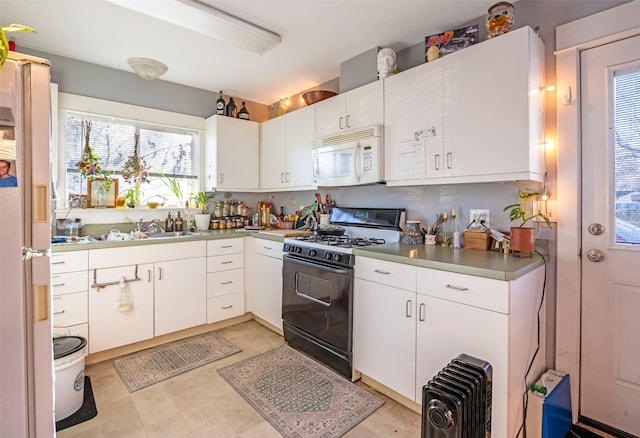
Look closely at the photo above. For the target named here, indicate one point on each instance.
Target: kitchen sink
(167, 234)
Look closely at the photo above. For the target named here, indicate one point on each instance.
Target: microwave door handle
(356, 164)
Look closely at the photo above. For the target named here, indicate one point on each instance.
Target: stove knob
(291, 248)
(327, 256)
(312, 252)
(298, 250)
(336, 257)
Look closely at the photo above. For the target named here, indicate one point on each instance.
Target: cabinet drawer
(225, 282)
(485, 293)
(70, 309)
(268, 247)
(225, 307)
(389, 273)
(69, 282)
(69, 261)
(225, 246)
(225, 262)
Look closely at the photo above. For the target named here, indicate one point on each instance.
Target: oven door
(317, 299)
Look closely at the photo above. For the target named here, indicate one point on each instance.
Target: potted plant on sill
(522, 238)
(203, 218)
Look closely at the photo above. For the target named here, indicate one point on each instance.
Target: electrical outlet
(476, 216)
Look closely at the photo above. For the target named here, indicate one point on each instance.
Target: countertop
(488, 264)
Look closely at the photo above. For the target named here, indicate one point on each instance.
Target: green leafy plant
(202, 201)
(4, 43)
(173, 185)
(132, 196)
(519, 210)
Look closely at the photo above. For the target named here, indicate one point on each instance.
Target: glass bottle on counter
(178, 223)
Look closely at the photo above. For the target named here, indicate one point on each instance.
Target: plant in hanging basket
(522, 238)
(135, 168)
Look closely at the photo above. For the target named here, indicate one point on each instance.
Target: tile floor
(200, 403)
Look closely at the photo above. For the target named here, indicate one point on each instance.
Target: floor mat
(298, 396)
(86, 412)
(146, 367)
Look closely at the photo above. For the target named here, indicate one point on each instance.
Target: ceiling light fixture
(146, 68)
(214, 23)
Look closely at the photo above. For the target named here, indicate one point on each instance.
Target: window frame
(128, 113)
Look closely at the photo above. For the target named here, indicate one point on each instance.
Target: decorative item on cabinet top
(449, 42)
(315, 96)
(500, 19)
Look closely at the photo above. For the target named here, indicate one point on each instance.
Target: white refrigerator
(26, 357)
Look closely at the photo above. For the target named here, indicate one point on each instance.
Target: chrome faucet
(149, 227)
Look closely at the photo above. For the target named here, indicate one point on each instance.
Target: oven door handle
(317, 265)
(314, 300)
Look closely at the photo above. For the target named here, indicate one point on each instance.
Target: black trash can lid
(66, 345)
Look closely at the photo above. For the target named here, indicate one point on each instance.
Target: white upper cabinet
(232, 154)
(475, 115)
(285, 151)
(356, 109)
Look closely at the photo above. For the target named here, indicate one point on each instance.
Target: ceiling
(317, 36)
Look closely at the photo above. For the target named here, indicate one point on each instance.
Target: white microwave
(349, 159)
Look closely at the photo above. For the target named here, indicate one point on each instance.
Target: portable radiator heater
(457, 401)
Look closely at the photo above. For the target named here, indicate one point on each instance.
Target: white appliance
(349, 159)
(26, 356)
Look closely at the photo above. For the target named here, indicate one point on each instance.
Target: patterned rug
(146, 367)
(298, 396)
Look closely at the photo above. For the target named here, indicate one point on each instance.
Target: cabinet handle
(382, 272)
(58, 313)
(226, 263)
(268, 248)
(408, 309)
(281, 177)
(226, 246)
(220, 177)
(288, 176)
(58, 284)
(58, 263)
(340, 122)
(421, 312)
(159, 273)
(450, 286)
(437, 161)
(348, 118)
(148, 275)
(226, 282)
(449, 156)
(226, 307)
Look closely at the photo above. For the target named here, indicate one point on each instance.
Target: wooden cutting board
(286, 233)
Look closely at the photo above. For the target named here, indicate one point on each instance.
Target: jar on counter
(226, 207)
(222, 224)
(231, 223)
(215, 224)
(217, 211)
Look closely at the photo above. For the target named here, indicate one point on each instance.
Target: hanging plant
(4, 43)
(135, 168)
(89, 164)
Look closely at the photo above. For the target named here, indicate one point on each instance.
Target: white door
(610, 380)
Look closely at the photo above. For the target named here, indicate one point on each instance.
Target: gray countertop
(489, 264)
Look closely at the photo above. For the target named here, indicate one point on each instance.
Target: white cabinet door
(110, 327)
(492, 107)
(232, 153)
(273, 150)
(384, 335)
(356, 109)
(446, 329)
(180, 295)
(266, 289)
(413, 135)
(300, 135)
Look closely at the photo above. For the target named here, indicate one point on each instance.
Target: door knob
(595, 255)
(596, 229)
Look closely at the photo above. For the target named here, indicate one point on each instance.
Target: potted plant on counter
(522, 238)
(203, 218)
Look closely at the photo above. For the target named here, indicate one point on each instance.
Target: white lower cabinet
(70, 296)
(264, 280)
(225, 279)
(112, 325)
(410, 322)
(180, 287)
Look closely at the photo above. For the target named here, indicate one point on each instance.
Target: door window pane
(627, 155)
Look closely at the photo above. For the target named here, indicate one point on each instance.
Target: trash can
(68, 359)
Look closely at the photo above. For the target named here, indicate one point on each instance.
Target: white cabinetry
(409, 322)
(177, 275)
(264, 280)
(359, 108)
(70, 297)
(285, 150)
(472, 116)
(112, 326)
(232, 154)
(225, 279)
